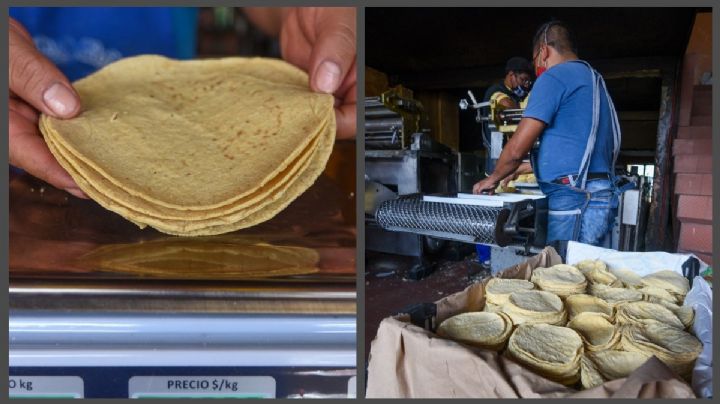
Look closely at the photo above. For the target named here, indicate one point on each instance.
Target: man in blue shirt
(572, 116)
(76, 41)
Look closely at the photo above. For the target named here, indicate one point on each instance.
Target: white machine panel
(630, 207)
(497, 200)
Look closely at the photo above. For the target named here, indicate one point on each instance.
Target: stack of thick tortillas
(615, 295)
(596, 272)
(597, 368)
(195, 147)
(563, 280)
(644, 313)
(655, 293)
(535, 306)
(623, 321)
(551, 351)
(597, 332)
(685, 314)
(481, 329)
(677, 348)
(627, 277)
(672, 282)
(498, 290)
(576, 304)
(587, 266)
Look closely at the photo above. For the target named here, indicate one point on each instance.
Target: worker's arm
(508, 103)
(529, 129)
(504, 100)
(524, 168)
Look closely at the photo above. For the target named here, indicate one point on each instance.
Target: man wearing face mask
(572, 115)
(509, 94)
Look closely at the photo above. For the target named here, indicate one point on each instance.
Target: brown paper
(408, 362)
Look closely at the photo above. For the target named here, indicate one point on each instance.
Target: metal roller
(384, 124)
(475, 224)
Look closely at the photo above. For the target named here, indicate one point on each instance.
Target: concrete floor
(387, 290)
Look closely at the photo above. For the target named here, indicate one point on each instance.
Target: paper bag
(408, 362)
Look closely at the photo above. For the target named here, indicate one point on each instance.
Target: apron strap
(598, 82)
(617, 135)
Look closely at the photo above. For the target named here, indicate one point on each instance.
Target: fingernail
(328, 77)
(77, 192)
(60, 99)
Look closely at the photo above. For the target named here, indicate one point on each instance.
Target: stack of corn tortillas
(587, 266)
(627, 277)
(612, 331)
(563, 280)
(498, 290)
(596, 272)
(195, 147)
(576, 304)
(551, 351)
(672, 282)
(654, 293)
(481, 329)
(645, 313)
(685, 314)
(597, 332)
(597, 368)
(614, 295)
(677, 348)
(535, 306)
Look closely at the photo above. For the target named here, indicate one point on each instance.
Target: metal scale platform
(100, 308)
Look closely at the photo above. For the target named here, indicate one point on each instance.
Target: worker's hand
(524, 168)
(36, 86)
(512, 177)
(321, 41)
(487, 185)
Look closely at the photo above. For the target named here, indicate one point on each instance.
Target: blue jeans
(580, 215)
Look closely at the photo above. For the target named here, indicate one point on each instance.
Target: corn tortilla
(195, 147)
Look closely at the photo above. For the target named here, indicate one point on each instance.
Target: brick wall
(692, 153)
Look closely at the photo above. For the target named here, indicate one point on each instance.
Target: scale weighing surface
(101, 308)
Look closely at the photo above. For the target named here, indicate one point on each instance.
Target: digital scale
(102, 309)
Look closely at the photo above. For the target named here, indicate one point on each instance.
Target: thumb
(36, 80)
(334, 51)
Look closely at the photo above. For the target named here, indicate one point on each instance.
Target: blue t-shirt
(562, 98)
(80, 40)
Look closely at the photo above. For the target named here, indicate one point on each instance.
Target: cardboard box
(407, 361)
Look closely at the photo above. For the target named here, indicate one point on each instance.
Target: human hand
(321, 41)
(512, 177)
(524, 168)
(487, 185)
(36, 86)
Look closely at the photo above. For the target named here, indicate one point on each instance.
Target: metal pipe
(385, 123)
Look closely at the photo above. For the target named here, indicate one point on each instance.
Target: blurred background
(226, 31)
